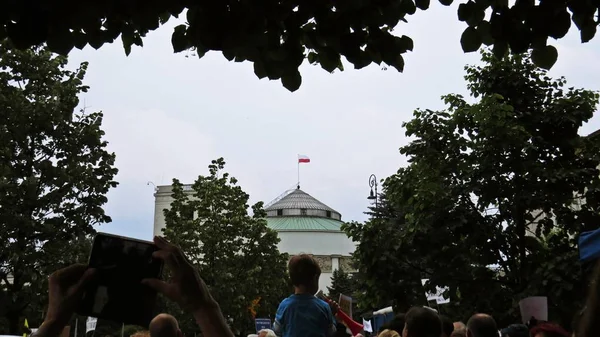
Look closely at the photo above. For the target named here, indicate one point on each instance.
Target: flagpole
(298, 163)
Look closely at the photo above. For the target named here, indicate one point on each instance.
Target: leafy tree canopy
(236, 253)
(276, 36)
(55, 172)
(497, 191)
(388, 271)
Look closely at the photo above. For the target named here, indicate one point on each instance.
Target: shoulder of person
(286, 301)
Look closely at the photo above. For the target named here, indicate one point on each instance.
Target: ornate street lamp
(373, 184)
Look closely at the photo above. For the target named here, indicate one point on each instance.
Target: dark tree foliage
(389, 273)
(55, 172)
(346, 284)
(277, 36)
(497, 191)
(235, 252)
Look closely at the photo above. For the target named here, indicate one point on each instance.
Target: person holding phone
(186, 288)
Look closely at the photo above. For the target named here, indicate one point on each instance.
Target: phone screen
(117, 293)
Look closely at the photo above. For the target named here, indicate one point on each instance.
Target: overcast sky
(168, 116)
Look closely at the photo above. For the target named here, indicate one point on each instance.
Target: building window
(328, 214)
(302, 211)
(279, 212)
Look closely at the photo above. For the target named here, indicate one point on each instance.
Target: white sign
(90, 324)
(367, 326)
(438, 296)
(535, 306)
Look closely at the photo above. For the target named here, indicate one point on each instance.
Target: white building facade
(304, 224)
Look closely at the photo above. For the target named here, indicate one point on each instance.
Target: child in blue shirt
(303, 314)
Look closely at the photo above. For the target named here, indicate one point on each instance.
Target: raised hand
(65, 290)
(185, 287)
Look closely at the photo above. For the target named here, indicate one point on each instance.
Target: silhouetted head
(422, 322)
(164, 325)
(482, 325)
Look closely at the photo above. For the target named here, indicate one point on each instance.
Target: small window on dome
(328, 214)
(302, 211)
(279, 212)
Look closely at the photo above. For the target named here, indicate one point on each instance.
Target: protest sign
(262, 323)
(535, 306)
(438, 296)
(90, 324)
(345, 303)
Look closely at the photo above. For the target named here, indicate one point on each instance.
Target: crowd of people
(300, 315)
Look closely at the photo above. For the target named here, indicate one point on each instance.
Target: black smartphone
(117, 293)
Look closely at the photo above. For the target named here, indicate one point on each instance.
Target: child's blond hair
(389, 333)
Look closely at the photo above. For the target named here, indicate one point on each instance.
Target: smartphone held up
(117, 292)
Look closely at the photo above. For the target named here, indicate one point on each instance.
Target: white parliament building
(304, 224)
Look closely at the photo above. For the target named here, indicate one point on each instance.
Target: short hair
(164, 325)
(515, 330)
(389, 333)
(423, 322)
(303, 270)
(482, 325)
(460, 326)
(396, 324)
(447, 325)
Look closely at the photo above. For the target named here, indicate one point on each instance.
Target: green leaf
(465, 11)
(292, 81)
(127, 39)
(164, 17)
(406, 43)
(398, 63)
(259, 70)
(95, 40)
(470, 40)
(588, 32)
(446, 2)
(422, 4)
(561, 24)
(500, 49)
(544, 57)
(408, 7)
(329, 59)
(61, 43)
(229, 54)
(313, 57)
(484, 30)
(179, 39)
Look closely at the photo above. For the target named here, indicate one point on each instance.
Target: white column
(335, 263)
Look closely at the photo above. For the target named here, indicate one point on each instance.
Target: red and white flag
(303, 159)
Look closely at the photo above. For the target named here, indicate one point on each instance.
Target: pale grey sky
(168, 116)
